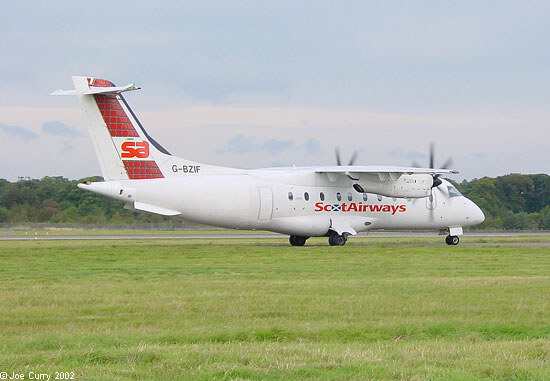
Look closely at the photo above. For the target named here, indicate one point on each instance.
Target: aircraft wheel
(452, 240)
(297, 240)
(337, 240)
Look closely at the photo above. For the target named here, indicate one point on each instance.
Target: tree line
(511, 202)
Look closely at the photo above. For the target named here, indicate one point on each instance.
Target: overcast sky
(269, 83)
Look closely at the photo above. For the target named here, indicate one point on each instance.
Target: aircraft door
(266, 204)
(431, 201)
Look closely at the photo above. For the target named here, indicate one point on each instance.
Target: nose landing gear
(452, 240)
(452, 235)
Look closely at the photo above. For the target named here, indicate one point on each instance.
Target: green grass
(233, 309)
(44, 232)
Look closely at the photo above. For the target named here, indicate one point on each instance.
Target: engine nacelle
(395, 185)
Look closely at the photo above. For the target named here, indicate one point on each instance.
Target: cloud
(246, 144)
(313, 146)
(239, 144)
(18, 132)
(57, 128)
(66, 146)
(274, 146)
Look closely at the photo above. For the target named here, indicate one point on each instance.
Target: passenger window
(365, 197)
(338, 196)
(306, 196)
(379, 197)
(350, 196)
(290, 196)
(322, 196)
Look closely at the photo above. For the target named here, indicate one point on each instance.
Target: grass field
(232, 309)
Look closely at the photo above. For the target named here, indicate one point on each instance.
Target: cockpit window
(453, 192)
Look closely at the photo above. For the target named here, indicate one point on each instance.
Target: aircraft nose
(477, 214)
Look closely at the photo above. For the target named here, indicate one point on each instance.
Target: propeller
(436, 177)
(339, 160)
(352, 160)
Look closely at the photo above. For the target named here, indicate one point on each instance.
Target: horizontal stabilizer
(99, 90)
(154, 209)
(64, 92)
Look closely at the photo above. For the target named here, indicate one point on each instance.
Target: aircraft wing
(345, 170)
(387, 181)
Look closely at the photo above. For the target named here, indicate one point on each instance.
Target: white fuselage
(291, 201)
(302, 202)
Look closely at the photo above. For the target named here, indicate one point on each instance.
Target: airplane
(319, 201)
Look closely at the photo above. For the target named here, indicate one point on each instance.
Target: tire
(297, 240)
(337, 240)
(340, 240)
(300, 241)
(452, 240)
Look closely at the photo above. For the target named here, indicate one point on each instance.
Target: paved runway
(230, 235)
(139, 236)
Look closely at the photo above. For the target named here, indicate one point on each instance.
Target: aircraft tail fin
(123, 148)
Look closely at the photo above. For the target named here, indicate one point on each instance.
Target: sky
(280, 83)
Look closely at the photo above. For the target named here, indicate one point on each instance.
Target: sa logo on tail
(135, 149)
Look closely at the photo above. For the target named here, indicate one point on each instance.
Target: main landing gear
(452, 240)
(335, 239)
(296, 240)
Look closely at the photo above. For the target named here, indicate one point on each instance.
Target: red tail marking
(96, 82)
(142, 169)
(114, 116)
(119, 125)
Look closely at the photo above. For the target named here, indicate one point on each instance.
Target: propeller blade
(353, 158)
(337, 152)
(431, 155)
(448, 163)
